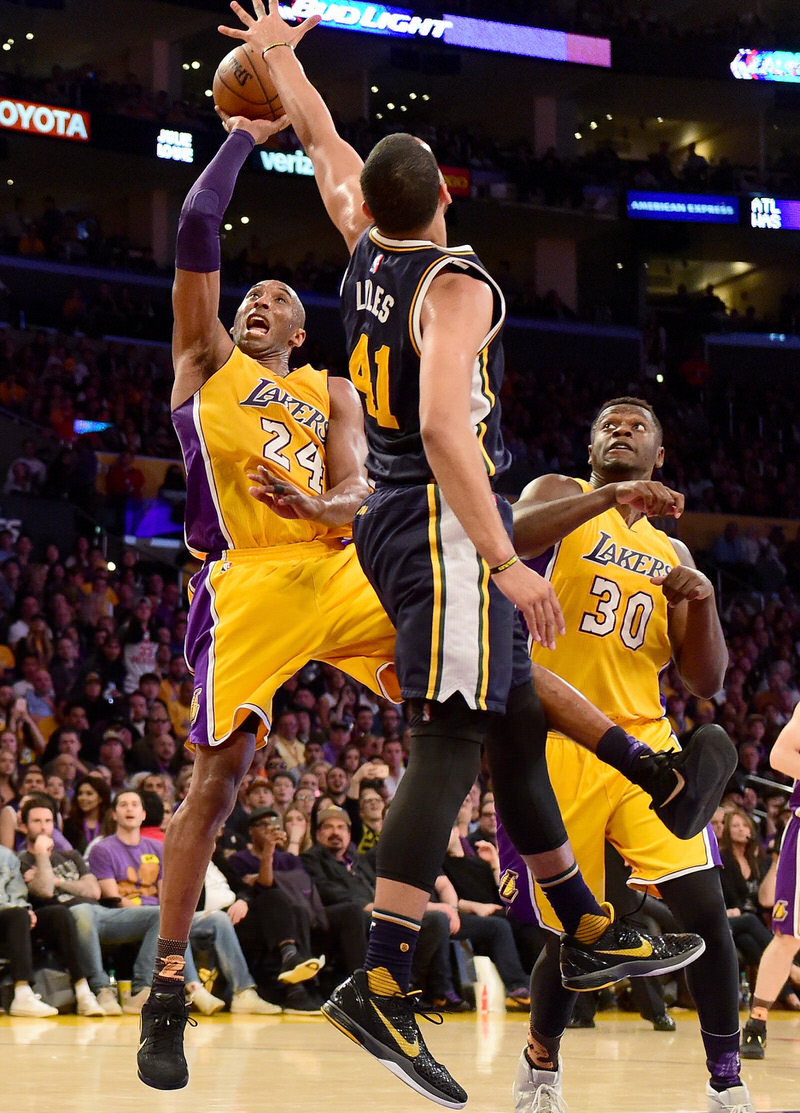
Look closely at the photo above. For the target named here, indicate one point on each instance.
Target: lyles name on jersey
(374, 299)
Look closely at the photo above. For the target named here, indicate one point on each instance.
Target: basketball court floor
(303, 1065)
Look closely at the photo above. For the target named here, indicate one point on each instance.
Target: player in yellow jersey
(632, 598)
(278, 585)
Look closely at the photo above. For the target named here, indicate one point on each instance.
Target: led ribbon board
(455, 30)
(44, 119)
(774, 213)
(766, 65)
(695, 208)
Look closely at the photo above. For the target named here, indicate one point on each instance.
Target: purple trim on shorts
(203, 531)
(198, 648)
(785, 911)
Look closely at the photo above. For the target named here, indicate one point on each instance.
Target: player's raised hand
(273, 487)
(268, 27)
(261, 130)
(536, 600)
(649, 497)
(683, 584)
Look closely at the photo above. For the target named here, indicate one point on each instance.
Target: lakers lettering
(607, 552)
(374, 299)
(268, 393)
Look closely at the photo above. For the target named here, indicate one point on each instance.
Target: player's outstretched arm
(785, 754)
(337, 165)
(456, 319)
(200, 343)
(554, 505)
(346, 451)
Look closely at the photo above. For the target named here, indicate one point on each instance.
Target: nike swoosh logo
(409, 1049)
(678, 787)
(644, 950)
(141, 1045)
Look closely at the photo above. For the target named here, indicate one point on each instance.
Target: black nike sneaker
(687, 785)
(622, 951)
(160, 1059)
(754, 1040)
(387, 1028)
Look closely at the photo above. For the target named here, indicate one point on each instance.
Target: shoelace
(161, 1034)
(553, 1101)
(427, 1012)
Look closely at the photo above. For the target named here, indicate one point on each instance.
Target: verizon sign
(44, 119)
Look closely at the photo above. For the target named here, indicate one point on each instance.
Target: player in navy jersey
(423, 325)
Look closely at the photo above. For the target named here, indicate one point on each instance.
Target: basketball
(242, 87)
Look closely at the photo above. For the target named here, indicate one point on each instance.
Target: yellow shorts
(257, 616)
(598, 803)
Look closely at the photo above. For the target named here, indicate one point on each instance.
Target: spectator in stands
(281, 916)
(29, 737)
(694, 170)
(285, 741)
(90, 803)
(180, 710)
(19, 480)
(8, 775)
(338, 737)
(65, 667)
(16, 921)
(128, 867)
(339, 874)
(297, 827)
(469, 884)
(54, 878)
(139, 636)
(371, 807)
(745, 868)
(283, 789)
(486, 831)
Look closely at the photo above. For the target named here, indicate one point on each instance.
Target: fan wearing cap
(275, 921)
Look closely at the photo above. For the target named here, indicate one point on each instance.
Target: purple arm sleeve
(197, 243)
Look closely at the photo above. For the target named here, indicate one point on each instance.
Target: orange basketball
(242, 87)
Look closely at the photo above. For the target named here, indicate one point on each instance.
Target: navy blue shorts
(456, 632)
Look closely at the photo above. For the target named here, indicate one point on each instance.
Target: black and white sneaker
(160, 1059)
(622, 951)
(387, 1028)
(687, 785)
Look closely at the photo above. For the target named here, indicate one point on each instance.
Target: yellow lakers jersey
(241, 414)
(617, 640)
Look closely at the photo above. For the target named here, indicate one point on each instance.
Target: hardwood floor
(300, 1065)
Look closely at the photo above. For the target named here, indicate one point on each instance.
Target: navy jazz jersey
(382, 294)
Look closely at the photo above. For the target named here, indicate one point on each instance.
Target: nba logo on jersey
(376, 262)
